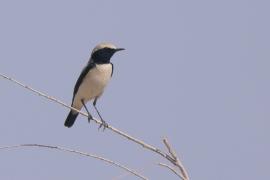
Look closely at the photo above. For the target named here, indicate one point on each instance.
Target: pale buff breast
(93, 84)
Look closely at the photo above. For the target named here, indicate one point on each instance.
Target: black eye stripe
(106, 49)
(103, 55)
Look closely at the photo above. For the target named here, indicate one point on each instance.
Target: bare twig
(80, 153)
(170, 157)
(172, 169)
(177, 161)
(126, 174)
(86, 115)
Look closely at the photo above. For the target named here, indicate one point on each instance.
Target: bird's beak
(119, 49)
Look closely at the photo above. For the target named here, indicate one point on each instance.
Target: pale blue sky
(194, 71)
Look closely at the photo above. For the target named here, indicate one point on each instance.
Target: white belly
(93, 84)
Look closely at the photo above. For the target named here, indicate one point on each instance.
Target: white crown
(103, 45)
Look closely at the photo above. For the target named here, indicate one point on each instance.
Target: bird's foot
(104, 124)
(90, 117)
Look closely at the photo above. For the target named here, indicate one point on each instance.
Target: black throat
(102, 56)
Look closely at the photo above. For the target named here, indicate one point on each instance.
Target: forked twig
(172, 169)
(170, 157)
(176, 159)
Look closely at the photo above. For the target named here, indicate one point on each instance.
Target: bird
(92, 81)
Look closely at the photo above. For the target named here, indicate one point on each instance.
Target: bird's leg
(89, 115)
(103, 123)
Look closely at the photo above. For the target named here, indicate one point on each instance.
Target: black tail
(71, 119)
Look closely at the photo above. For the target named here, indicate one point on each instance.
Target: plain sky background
(194, 71)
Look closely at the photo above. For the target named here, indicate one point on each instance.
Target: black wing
(85, 70)
(112, 69)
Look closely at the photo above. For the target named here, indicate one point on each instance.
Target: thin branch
(169, 156)
(173, 170)
(126, 174)
(80, 153)
(147, 146)
(177, 161)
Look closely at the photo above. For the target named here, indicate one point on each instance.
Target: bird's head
(103, 52)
